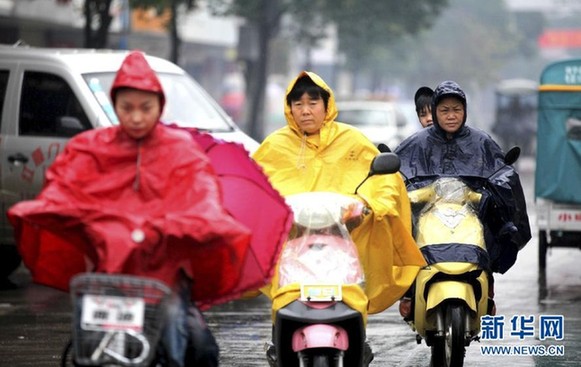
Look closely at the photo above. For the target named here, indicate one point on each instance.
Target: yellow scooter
(451, 293)
(450, 296)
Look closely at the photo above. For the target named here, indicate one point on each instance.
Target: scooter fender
(320, 336)
(445, 290)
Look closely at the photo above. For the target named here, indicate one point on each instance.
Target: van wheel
(9, 261)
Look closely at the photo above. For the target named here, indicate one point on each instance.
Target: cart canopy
(558, 166)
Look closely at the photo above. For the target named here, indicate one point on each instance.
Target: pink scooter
(321, 262)
(318, 302)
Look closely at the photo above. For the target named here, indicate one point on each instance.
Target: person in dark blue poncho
(451, 148)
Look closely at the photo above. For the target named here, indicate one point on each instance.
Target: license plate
(112, 313)
(321, 292)
(565, 219)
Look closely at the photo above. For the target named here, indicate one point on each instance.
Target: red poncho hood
(136, 73)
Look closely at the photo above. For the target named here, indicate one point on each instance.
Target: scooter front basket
(117, 319)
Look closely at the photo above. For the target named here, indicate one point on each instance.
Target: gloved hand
(508, 250)
(506, 232)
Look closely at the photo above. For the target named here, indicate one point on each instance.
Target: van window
(187, 104)
(3, 87)
(48, 107)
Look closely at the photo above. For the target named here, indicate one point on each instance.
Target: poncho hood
(448, 89)
(136, 73)
(331, 108)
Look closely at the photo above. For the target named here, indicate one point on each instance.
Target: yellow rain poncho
(337, 160)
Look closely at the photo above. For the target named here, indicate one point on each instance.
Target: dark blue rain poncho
(472, 155)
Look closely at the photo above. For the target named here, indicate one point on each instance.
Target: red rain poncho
(106, 184)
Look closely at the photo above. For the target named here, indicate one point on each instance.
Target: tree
(362, 23)
(97, 22)
(263, 20)
(470, 43)
(369, 30)
(468, 54)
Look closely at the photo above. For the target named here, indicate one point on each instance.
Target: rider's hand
(354, 222)
(354, 215)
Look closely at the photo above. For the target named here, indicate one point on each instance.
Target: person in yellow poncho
(316, 153)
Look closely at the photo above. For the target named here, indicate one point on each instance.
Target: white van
(48, 95)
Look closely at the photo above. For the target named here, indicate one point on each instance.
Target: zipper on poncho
(302, 159)
(136, 183)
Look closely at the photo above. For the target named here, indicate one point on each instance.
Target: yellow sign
(150, 20)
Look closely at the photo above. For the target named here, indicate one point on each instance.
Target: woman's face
(309, 113)
(450, 114)
(138, 111)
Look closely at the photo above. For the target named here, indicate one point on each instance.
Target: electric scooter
(320, 272)
(452, 293)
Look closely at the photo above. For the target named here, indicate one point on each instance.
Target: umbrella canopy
(249, 198)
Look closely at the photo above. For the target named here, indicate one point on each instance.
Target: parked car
(408, 108)
(381, 121)
(49, 95)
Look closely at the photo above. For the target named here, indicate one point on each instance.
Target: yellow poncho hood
(337, 160)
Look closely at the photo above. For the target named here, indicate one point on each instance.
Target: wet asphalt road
(35, 320)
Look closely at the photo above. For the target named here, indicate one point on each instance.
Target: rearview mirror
(383, 148)
(512, 155)
(384, 163)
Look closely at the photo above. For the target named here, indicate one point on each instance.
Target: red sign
(560, 38)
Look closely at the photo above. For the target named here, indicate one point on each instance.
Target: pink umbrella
(251, 199)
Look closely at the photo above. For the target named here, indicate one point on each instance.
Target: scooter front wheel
(450, 351)
(320, 361)
(317, 358)
(67, 355)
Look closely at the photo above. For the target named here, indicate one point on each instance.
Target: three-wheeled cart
(558, 159)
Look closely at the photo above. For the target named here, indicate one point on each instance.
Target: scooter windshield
(320, 249)
(448, 214)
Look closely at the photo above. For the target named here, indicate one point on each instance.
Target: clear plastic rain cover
(320, 249)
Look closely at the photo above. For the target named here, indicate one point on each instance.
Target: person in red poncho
(140, 198)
